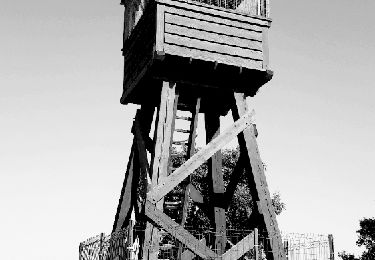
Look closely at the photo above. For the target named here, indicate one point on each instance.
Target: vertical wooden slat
(215, 175)
(331, 247)
(256, 244)
(159, 42)
(160, 159)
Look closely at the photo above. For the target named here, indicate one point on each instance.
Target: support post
(257, 179)
(331, 247)
(160, 160)
(215, 176)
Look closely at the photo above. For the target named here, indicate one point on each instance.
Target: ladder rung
(180, 142)
(182, 131)
(184, 118)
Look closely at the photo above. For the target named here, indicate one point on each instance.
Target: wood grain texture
(201, 156)
(125, 202)
(216, 181)
(216, 11)
(213, 18)
(189, 255)
(239, 249)
(247, 142)
(160, 158)
(215, 26)
(229, 40)
(177, 231)
(209, 56)
(212, 47)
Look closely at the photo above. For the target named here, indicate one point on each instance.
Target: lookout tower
(201, 57)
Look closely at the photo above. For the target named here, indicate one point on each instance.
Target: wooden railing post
(331, 248)
(256, 244)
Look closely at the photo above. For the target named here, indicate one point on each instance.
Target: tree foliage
(241, 206)
(366, 238)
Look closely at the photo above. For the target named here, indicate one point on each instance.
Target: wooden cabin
(199, 45)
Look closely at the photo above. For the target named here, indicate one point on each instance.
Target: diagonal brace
(200, 157)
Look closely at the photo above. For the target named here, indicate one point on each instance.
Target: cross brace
(157, 181)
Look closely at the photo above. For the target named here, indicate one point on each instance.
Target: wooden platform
(196, 45)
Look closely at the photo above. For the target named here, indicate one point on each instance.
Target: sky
(65, 138)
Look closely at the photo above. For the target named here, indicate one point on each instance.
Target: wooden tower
(206, 57)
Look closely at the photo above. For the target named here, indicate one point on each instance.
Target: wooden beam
(125, 202)
(178, 232)
(160, 159)
(216, 181)
(247, 142)
(200, 157)
(239, 249)
(189, 255)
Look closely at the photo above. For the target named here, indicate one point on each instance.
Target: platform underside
(212, 81)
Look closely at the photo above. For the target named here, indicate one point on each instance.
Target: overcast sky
(65, 138)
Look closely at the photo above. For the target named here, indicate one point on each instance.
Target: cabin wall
(138, 48)
(210, 33)
(134, 10)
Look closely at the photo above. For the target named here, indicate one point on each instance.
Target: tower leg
(215, 176)
(258, 183)
(160, 160)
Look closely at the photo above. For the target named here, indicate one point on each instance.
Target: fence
(117, 246)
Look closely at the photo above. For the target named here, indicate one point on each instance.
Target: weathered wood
(256, 244)
(126, 198)
(159, 42)
(265, 49)
(239, 249)
(190, 152)
(213, 37)
(216, 181)
(247, 142)
(189, 255)
(160, 159)
(212, 47)
(217, 11)
(213, 24)
(178, 232)
(331, 247)
(197, 159)
(213, 57)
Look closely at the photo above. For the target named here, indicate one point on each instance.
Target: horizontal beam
(170, 182)
(177, 231)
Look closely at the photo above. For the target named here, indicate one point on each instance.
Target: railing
(119, 245)
(251, 7)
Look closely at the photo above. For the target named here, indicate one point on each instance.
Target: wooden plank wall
(138, 48)
(213, 34)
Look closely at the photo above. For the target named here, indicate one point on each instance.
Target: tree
(367, 238)
(241, 205)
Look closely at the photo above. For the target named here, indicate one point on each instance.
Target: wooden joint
(200, 157)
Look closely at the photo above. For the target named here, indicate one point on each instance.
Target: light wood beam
(200, 157)
(160, 159)
(216, 181)
(247, 142)
(239, 249)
